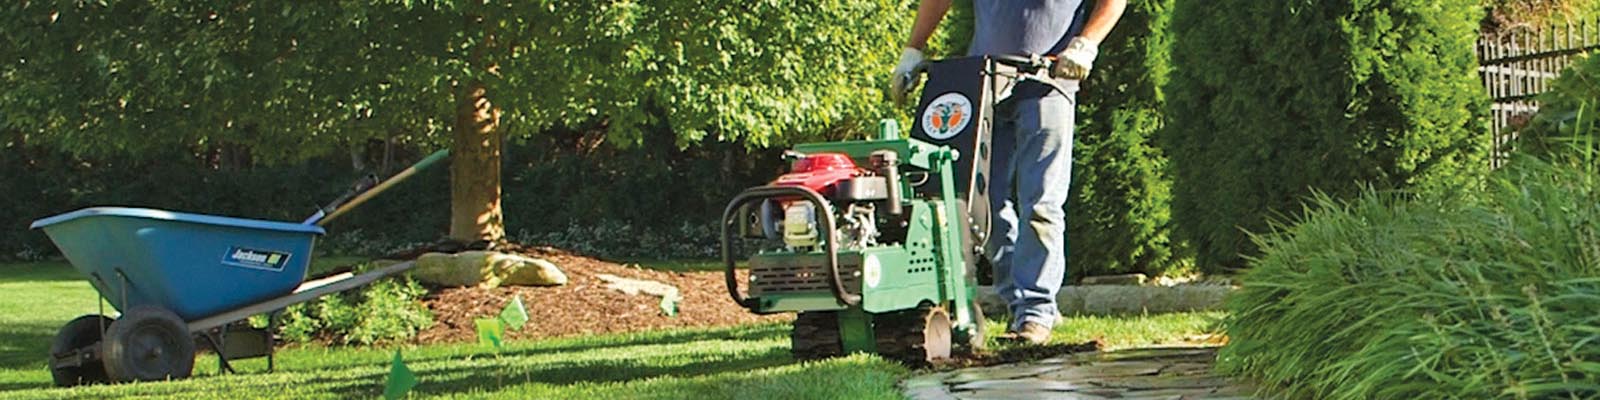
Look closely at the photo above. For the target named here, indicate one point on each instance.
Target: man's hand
(904, 77)
(1076, 61)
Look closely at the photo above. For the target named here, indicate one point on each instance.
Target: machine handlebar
(824, 217)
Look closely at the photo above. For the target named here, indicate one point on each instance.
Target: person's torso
(1025, 26)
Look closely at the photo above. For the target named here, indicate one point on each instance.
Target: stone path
(1145, 373)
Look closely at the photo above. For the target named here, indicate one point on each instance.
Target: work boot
(1030, 333)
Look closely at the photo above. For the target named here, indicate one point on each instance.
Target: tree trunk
(475, 168)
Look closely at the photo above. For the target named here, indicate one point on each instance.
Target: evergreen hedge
(1119, 217)
(1270, 100)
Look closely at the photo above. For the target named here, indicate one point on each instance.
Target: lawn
(733, 362)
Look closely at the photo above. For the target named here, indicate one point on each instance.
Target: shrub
(1458, 294)
(387, 310)
(1271, 100)
(1119, 215)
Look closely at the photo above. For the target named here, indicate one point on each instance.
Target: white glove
(1076, 61)
(903, 79)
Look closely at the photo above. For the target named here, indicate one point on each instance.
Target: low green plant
(385, 311)
(1467, 293)
(1566, 125)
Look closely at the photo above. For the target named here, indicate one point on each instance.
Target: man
(1032, 162)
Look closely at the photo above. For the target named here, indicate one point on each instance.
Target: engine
(855, 193)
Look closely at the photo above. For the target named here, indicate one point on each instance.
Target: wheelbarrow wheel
(78, 334)
(147, 344)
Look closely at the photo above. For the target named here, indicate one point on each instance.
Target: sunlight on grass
(733, 362)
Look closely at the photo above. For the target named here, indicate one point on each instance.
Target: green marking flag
(490, 331)
(669, 305)
(400, 379)
(514, 316)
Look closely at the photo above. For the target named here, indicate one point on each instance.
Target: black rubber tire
(76, 334)
(148, 344)
(816, 336)
(915, 337)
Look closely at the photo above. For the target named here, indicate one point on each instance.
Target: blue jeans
(1030, 172)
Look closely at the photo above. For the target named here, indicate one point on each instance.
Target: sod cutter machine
(880, 239)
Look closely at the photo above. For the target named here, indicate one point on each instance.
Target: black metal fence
(1518, 65)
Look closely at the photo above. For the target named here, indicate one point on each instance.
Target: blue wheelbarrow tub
(195, 265)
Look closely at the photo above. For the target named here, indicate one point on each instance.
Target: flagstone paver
(1176, 373)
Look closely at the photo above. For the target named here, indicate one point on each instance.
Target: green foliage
(1508, 13)
(385, 311)
(296, 79)
(1271, 100)
(1119, 218)
(1460, 294)
(1568, 122)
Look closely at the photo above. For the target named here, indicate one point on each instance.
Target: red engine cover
(819, 172)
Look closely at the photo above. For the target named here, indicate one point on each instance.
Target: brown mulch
(1009, 354)
(584, 305)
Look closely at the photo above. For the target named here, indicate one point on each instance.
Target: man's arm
(930, 12)
(1105, 15)
(1076, 61)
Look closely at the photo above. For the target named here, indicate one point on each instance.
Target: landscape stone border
(1163, 372)
(1123, 299)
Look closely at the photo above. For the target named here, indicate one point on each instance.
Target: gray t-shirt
(1025, 26)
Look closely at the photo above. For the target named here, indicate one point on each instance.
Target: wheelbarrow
(183, 281)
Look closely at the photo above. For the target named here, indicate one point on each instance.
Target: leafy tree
(291, 80)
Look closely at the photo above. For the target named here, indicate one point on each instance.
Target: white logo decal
(873, 271)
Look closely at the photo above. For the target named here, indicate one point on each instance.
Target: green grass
(1133, 331)
(736, 362)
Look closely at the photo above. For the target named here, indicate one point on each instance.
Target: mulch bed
(584, 305)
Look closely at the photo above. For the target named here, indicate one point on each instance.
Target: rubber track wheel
(76, 334)
(915, 337)
(148, 344)
(816, 336)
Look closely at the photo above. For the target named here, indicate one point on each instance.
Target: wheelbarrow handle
(321, 218)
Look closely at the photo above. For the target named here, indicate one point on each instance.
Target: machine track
(816, 336)
(916, 336)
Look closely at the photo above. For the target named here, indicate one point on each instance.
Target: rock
(534, 272)
(637, 286)
(1107, 369)
(486, 269)
(1026, 384)
(999, 373)
(441, 269)
(1124, 279)
(1122, 299)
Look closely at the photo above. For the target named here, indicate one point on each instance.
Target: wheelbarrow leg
(271, 337)
(218, 343)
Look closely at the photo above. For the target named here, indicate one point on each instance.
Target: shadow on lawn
(746, 333)
(495, 374)
(23, 345)
(51, 271)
